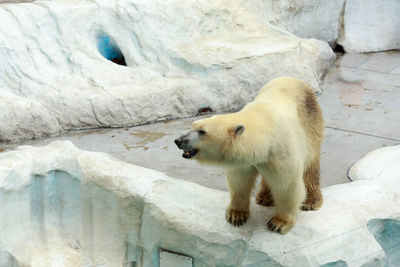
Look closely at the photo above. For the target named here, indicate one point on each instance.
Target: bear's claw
(311, 205)
(236, 217)
(279, 226)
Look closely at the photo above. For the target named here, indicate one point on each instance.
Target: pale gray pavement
(361, 105)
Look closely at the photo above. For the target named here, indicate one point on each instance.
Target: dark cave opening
(109, 49)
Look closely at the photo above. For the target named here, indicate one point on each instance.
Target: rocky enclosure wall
(59, 66)
(68, 207)
(85, 64)
(360, 26)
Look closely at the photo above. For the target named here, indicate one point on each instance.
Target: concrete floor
(361, 105)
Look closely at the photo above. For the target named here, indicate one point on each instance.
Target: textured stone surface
(61, 205)
(370, 25)
(181, 56)
(360, 26)
(380, 164)
(318, 19)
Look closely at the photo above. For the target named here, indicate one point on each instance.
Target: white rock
(61, 205)
(318, 19)
(181, 56)
(360, 26)
(371, 25)
(379, 164)
(24, 117)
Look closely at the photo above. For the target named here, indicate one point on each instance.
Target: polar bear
(279, 136)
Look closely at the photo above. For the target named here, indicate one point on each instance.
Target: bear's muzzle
(183, 143)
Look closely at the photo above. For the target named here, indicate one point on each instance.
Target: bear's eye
(201, 132)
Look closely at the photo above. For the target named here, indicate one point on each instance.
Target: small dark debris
(204, 110)
(167, 121)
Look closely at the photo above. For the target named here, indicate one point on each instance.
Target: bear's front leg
(241, 182)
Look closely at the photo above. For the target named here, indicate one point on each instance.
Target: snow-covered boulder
(370, 25)
(318, 19)
(68, 207)
(360, 26)
(380, 164)
(180, 56)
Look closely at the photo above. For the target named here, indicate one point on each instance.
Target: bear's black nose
(178, 143)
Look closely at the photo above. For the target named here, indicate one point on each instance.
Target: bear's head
(212, 140)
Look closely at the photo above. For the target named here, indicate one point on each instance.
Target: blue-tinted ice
(339, 263)
(387, 233)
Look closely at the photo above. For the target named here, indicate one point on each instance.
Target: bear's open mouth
(187, 154)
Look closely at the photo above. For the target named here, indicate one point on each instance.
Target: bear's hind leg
(241, 182)
(264, 195)
(311, 178)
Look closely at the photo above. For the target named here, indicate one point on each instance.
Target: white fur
(273, 144)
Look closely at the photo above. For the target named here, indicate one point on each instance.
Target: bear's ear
(238, 129)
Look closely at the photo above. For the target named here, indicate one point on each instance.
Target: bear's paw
(236, 217)
(311, 204)
(279, 226)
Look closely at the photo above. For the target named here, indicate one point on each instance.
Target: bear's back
(294, 105)
(283, 87)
